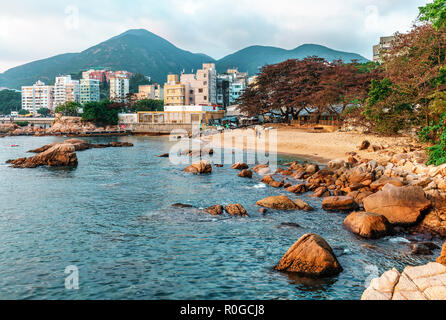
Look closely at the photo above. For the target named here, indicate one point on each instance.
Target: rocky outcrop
(299, 188)
(283, 203)
(245, 173)
(215, 210)
(201, 167)
(426, 282)
(81, 145)
(310, 256)
(236, 210)
(368, 225)
(339, 203)
(60, 155)
(400, 205)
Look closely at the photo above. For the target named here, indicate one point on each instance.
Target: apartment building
(37, 96)
(238, 84)
(202, 85)
(66, 90)
(150, 91)
(89, 91)
(379, 50)
(119, 88)
(104, 74)
(175, 92)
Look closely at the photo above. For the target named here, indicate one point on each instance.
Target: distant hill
(142, 51)
(251, 59)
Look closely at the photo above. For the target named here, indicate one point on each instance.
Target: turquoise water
(112, 217)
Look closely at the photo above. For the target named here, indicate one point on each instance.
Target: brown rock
(368, 225)
(60, 155)
(321, 192)
(215, 210)
(400, 205)
(381, 182)
(236, 210)
(201, 167)
(302, 205)
(164, 155)
(240, 166)
(311, 168)
(299, 188)
(339, 203)
(364, 145)
(245, 173)
(442, 258)
(310, 256)
(278, 202)
(276, 184)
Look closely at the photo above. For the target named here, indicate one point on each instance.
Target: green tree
(10, 100)
(69, 109)
(44, 111)
(138, 79)
(434, 13)
(148, 105)
(23, 112)
(104, 112)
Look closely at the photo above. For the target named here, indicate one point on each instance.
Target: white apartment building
(37, 96)
(202, 85)
(237, 85)
(89, 91)
(119, 88)
(66, 90)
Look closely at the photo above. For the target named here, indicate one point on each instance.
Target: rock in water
(245, 173)
(283, 203)
(59, 155)
(236, 210)
(299, 188)
(201, 167)
(215, 210)
(368, 225)
(400, 205)
(240, 166)
(310, 256)
(339, 203)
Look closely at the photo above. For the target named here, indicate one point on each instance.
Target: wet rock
(215, 210)
(276, 184)
(259, 167)
(164, 155)
(236, 210)
(339, 203)
(182, 205)
(310, 256)
(240, 166)
(302, 205)
(279, 203)
(201, 167)
(245, 173)
(59, 155)
(218, 165)
(289, 224)
(400, 205)
(368, 225)
(420, 249)
(263, 211)
(299, 188)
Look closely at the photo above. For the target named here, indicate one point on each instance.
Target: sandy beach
(319, 146)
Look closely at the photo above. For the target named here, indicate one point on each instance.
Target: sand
(319, 146)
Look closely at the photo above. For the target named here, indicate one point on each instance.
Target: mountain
(142, 51)
(251, 59)
(134, 50)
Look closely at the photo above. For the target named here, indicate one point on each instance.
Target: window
(205, 98)
(200, 90)
(205, 83)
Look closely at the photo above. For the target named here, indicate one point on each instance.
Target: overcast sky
(32, 30)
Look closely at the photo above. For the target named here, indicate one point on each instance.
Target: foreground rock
(310, 256)
(442, 258)
(283, 203)
(215, 210)
(339, 203)
(240, 166)
(426, 282)
(245, 173)
(368, 225)
(201, 167)
(60, 155)
(400, 205)
(236, 210)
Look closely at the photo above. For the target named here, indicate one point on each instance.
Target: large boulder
(368, 225)
(201, 167)
(245, 173)
(240, 166)
(400, 205)
(59, 155)
(215, 210)
(381, 182)
(339, 203)
(427, 282)
(236, 210)
(282, 203)
(310, 256)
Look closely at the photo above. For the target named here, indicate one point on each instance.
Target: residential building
(202, 85)
(175, 92)
(104, 74)
(150, 91)
(37, 96)
(89, 91)
(119, 88)
(379, 50)
(66, 90)
(223, 82)
(238, 84)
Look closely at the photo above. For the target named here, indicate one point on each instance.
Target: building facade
(66, 90)
(150, 91)
(119, 88)
(202, 85)
(175, 92)
(37, 96)
(379, 50)
(89, 91)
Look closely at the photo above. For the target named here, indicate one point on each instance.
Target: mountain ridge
(139, 50)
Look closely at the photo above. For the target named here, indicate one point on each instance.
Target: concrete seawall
(157, 128)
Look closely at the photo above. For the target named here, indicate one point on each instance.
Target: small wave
(399, 240)
(110, 185)
(258, 186)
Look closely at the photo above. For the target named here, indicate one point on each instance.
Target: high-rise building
(89, 91)
(66, 90)
(223, 82)
(202, 85)
(238, 84)
(37, 96)
(119, 88)
(385, 44)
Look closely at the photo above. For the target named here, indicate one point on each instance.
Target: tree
(147, 105)
(44, 111)
(23, 112)
(10, 100)
(69, 109)
(104, 112)
(138, 79)
(434, 13)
